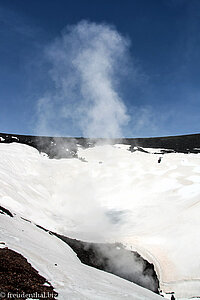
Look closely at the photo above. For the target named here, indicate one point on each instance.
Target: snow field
(115, 196)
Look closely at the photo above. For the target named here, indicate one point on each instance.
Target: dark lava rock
(5, 211)
(66, 147)
(17, 276)
(115, 259)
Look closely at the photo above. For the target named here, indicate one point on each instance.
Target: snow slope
(59, 265)
(114, 195)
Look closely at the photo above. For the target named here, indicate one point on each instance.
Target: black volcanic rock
(105, 257)
(66, 147)
(5, 211)
(17, 276)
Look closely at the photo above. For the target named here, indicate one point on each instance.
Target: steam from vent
(128, 265)
(115, 259)
(86, 64)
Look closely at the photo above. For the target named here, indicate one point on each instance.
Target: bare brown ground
(19, 280)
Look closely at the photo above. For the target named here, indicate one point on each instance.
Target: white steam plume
(86, 63)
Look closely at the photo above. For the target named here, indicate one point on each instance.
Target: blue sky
(158, 83)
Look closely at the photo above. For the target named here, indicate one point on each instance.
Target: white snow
(154, 150)
(128, 197)
(16, 138)
(60, 266)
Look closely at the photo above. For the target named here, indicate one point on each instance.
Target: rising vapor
(86, 63)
